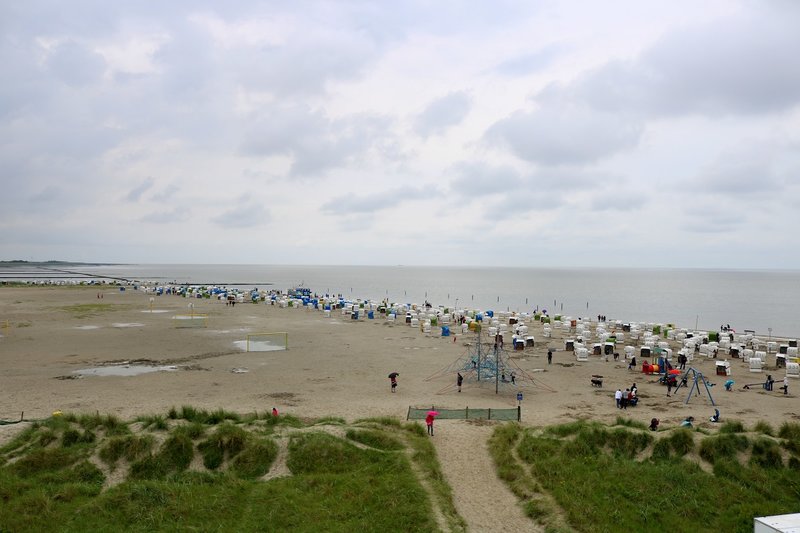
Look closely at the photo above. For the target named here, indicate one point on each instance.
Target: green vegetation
(130, 447)
(601, 480)
(157, 422)
(723, 446)
(732, 426)
(764, 427)
(255, 459)
(790, 431)
(226, 442)
(375, 439)
(192, 414)
(390, 481)
(628, 422)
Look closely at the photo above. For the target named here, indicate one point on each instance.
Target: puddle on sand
(123, 370)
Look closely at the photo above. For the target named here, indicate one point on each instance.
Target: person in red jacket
(429, 422)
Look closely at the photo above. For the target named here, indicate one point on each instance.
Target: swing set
(697, 379)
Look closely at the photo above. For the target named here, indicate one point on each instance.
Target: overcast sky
(619, 133)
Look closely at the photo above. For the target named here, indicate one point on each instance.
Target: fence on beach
(416, 413)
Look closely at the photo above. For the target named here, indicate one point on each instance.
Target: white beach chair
(581, 354)
(772, 347)
(629, 351)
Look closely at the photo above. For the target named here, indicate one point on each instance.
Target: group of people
(629, 397)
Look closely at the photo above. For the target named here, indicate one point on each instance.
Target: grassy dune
(590, 477)
(193, 469)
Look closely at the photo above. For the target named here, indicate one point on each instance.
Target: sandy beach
(334, 367)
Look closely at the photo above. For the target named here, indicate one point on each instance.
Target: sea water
(757, 300)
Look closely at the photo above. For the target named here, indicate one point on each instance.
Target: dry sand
(334, 366)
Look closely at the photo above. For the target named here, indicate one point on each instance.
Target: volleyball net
(415, 413)
(190, 321)
(268, 342)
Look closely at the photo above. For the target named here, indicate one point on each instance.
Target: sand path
(480, 497)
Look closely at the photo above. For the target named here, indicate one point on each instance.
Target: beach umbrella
(433, 413)
(394, 375)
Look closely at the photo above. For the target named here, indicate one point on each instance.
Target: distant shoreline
(46, 264)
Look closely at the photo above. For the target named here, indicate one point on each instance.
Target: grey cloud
(29, 89)
(357, 222)
(743, 173)
(315, 143)
(712, 219)
(178, 214)
(244, 216)
(303, 68)
(730, 65)
(530, 63)
(476, 179)
(373, 202)
(521, 203)
(165, 195)
(442, 114)
(76, 65)
(617, 200)
(564, 135)
(564, 180)
(48, 194)
(136, 193)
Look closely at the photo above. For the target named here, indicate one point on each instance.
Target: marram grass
(49, 479)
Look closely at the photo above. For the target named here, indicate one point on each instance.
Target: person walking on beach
(549, 356)
(393, 380)
(669, 386)
(768, 384)
(632, 363)
(618, 398)
(459, 381)
(785, 385)
(429, 422)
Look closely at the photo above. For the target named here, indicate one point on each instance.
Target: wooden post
(466, 417)
(490, 414)
(408, 415)
(519, 413)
